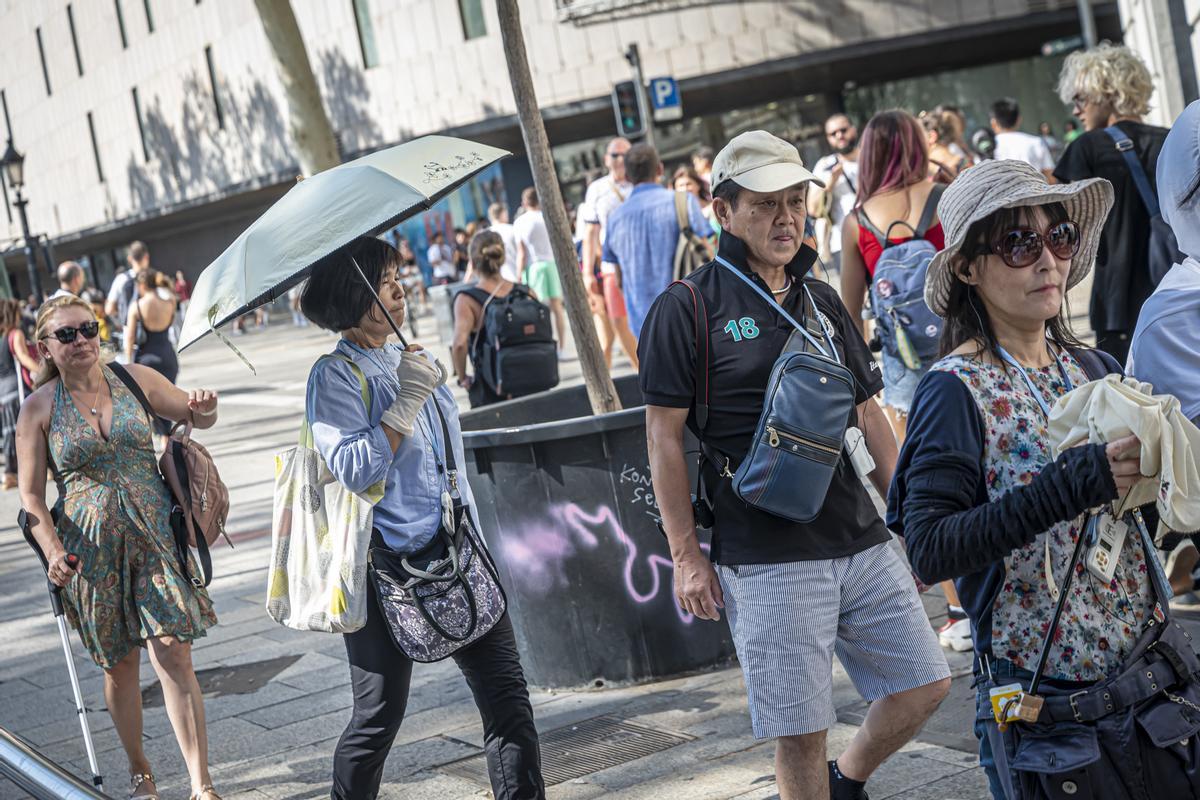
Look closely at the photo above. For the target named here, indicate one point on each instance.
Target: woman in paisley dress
(978, 494)
(127, 592)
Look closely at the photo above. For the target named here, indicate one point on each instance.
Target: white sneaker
(956, 635)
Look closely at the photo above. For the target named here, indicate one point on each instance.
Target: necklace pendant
(95, 412)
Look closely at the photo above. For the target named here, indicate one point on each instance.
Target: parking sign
(665, 100)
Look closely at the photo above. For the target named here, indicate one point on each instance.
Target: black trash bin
(568, 511)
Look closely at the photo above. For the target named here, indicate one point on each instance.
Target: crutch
(57, 605)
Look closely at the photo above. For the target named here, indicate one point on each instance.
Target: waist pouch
(798, 441)
(1132, 736)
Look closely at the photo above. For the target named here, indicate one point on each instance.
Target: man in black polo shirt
(794, 593)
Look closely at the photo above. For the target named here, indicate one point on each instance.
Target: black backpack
(1163, 248)
(514, 351)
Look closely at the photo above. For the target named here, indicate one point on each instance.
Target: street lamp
(14, 170)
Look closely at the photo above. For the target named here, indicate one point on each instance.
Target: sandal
(135, 783)
(206, 793)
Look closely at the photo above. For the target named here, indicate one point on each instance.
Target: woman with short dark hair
(397, 438)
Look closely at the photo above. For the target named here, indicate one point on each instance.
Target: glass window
(95, 147)
(37, 32)
(366, 33)
(471, 12)
(121, 25)
(74, 38)
(212, 82)
(137, 113)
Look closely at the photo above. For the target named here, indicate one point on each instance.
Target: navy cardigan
(939, 503)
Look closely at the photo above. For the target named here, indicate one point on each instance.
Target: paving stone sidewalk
(278, 699)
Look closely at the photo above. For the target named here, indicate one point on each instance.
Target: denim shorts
(899, 382)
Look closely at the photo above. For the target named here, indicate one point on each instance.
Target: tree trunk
(308, 123)
(600, 389)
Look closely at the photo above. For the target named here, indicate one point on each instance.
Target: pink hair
(893, 154)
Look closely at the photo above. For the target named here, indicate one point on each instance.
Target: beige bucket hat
(992, 185)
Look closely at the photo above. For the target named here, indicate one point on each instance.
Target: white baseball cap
(760, 162)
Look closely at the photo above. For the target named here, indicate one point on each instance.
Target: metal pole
(635, 60)
(35, 283)
(37, 775)
(80, 708)
(596, 377)
(1087, 23)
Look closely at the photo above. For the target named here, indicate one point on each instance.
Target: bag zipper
(774, 435)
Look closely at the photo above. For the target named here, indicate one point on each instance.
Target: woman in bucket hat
(977, 494)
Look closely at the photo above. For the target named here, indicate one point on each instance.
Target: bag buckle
(1074, 707)
(1124, 144)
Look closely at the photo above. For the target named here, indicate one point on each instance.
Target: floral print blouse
(1100, 623)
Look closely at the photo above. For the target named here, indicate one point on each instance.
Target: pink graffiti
(542, 550)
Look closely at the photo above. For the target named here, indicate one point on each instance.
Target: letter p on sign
(664, 97)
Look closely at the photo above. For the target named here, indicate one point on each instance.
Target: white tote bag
(320, 534)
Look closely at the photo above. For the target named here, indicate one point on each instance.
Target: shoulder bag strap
(132, 385)
(832, 353)
(363, 388)
(703, 342)
(930, 210)
(1091, 362)
(681, 213)
(1126, 149)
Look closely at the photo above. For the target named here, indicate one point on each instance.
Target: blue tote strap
(1125, 148)
(832, 353)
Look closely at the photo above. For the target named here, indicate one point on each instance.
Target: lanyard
(775, 303)
(1037, 394)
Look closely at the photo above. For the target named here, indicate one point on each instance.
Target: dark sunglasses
(1020, 247)
(90, 330)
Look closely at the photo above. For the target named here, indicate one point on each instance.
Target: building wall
(428, 78)
(1160, 32)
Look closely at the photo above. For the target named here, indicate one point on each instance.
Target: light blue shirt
(641, 236)
(351, 440)
(1165, 350)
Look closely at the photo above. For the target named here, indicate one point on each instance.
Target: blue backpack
(908, 329)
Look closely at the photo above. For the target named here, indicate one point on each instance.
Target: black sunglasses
(90, 330)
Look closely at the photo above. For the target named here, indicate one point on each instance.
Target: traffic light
(627, 106)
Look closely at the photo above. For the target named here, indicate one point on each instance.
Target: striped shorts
(789, 619)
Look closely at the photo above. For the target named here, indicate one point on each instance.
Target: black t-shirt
(1122, 280)
(747, 337)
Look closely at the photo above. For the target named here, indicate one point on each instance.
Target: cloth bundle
(1114, 407)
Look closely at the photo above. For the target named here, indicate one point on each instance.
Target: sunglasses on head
(1020, 247)
(90, 330)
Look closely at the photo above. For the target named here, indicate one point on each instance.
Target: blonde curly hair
(1108, 75)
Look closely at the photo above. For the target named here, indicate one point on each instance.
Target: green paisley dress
(115, 514)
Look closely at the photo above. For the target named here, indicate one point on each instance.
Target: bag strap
(930, 210)
(132, 385)
(1126, 148)
(1162, 594)
(775, 304)
(703, 343)
(364, 389)
(483, 312)
(865, 222)
(681, 214)
(1091, 362)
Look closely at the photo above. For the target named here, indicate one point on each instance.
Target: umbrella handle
(379, 302)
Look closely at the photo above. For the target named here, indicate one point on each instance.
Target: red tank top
(871, 250)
